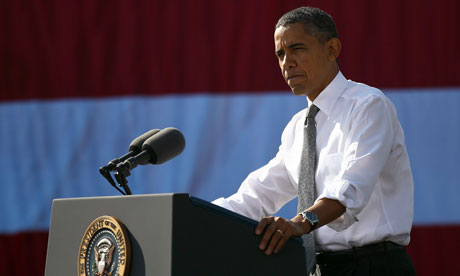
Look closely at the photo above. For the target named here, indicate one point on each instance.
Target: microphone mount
(120, 176)
(123, 170)
(123, 184)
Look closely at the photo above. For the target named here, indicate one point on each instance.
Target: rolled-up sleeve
(366, 150)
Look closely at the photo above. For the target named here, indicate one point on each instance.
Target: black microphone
(134, 148)
(161, 147)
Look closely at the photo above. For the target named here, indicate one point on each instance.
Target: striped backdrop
(80, 79)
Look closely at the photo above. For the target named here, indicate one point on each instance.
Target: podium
(170, 234)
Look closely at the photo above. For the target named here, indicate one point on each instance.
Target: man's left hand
(276, 231)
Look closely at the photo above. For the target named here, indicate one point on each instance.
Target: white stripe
(53, 149)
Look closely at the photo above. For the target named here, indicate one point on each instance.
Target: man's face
(307, 65)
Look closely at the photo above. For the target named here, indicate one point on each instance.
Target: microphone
(161, 147)
(134, 148)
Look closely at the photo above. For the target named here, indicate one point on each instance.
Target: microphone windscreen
(165, 145)
(136, 144)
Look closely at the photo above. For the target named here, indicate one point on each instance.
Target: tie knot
(312, 111)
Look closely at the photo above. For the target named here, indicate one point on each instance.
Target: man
(363, 206)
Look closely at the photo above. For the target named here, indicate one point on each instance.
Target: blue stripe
(53, 149)
(431, 122)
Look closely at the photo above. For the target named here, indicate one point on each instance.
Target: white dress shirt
(362, 163)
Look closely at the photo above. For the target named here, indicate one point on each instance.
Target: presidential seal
(104, 249)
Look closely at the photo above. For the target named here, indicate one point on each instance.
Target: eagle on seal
(103, 253)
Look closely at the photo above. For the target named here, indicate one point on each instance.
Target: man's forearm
(327, 211)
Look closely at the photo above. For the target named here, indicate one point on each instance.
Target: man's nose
(288, 62)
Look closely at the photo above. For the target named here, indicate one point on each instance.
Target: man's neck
(331, 76)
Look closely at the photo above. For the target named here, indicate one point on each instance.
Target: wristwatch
(312, 218)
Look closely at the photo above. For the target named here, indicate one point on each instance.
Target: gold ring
(279, 231)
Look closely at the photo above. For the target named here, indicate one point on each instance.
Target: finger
(270, 237)
(281, 234)
(262, 224)
(281, 242)
(274, 241)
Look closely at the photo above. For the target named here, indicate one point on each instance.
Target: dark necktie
(307, 187)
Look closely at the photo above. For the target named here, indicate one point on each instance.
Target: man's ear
(334, 46)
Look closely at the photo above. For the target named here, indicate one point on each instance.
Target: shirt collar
(328, 97)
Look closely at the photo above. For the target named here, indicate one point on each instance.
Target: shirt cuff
(342, 193)
(343, 222)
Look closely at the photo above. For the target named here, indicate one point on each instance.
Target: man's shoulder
(361, 92)
(359, 97)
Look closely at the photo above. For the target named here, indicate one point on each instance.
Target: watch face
(311, 217)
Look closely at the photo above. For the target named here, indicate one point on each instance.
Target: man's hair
(316, 22)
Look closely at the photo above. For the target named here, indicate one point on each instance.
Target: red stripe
(55, 49)
(433, 249)
(23, 254)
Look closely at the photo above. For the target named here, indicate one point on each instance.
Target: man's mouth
(293, 77)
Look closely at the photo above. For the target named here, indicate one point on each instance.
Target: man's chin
(298, 92)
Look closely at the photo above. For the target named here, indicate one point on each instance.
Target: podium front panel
(148, 219)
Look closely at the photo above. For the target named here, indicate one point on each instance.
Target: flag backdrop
(80, 79)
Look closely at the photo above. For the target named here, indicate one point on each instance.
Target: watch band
(312, 218)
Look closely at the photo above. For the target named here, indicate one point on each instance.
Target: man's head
(316, 22)
(307, 47)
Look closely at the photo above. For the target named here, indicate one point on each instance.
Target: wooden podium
(170, 234)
